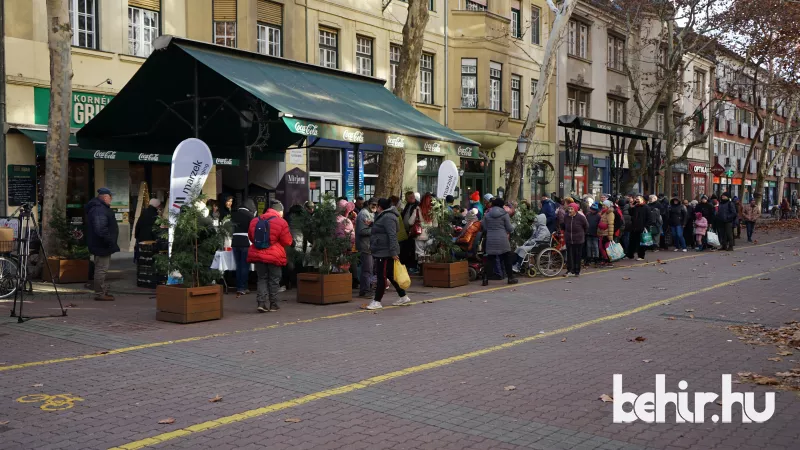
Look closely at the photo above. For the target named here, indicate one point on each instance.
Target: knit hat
(475, 196)
(698, 215)
(574, 206)
(595, 206)
(277, 205)
(608, 204)
(472, 215)
(653, 198)
(341, 204)
(487, 197)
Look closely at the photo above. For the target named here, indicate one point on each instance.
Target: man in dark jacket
(240, 243)
(726, 215)
(549, 211)
(385, 251)
(676, 219)
(144, 226)
(101, 238)
(640, 216)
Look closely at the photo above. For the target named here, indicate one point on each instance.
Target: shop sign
(680, 167)
(395, 141)
(356, 136)
(296, 156)
(435, 147)
(21, 184)
(700, 168)
(83, 106)
(747, 182)
(349, 173)
(772, 184)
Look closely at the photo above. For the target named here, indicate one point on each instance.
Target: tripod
(26, 218)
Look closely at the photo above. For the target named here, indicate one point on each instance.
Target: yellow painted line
(334, 316)
(216, 423)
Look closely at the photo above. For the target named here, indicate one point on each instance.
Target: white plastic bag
(713, 239)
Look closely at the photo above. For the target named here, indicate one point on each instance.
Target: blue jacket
(549, 211)
(727, 212)
(102, 228)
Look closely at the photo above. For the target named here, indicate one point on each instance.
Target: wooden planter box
(187, 305)
(445, 275)
(324, 289)
(66, 270)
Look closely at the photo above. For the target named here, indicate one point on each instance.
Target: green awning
(287, 101)
(39, 139)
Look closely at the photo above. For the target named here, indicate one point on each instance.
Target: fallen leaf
(71, 305)
(606, 398)
(776, 359)
(166, 421)
(670, 318)
(765, 380)
(510, 388)
(364, 306)
(510, 335)
(5, 422)
(249, 351)
(689, 310)
(691, 316)
(37, 385)
(717, 303)
(765, 278)
(785, 353)
(632, 329)
(640, 339)
(773, 301)
(733, 265)
(293, 420)
(752, 310)
(745, 374)
(563, 339)
(788, 374)
(646, 360)
(626, 278)
(216, 399)
(105, 352)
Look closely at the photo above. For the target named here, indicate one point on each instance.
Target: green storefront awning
(232, 98)
(39, 139)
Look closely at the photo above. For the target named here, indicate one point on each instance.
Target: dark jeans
(269, 281)
(408, 254)
(384, 270)
(242, 267)
(574, 258)
(634, 245)
(677, 237)
(750, 227)
(367, 272)
(494, 260)
(726, 235)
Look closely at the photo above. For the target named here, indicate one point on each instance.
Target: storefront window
(698, 186)
(580, 180)
(677, 185)
(324, 160)
(428, 173)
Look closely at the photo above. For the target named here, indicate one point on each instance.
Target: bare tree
(563, 12)
(390, 179)
(59, 40)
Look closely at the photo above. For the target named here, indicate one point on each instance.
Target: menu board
(21, 184)
(118, 180)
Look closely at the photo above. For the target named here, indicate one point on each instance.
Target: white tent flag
(448, 179)
(191, 163)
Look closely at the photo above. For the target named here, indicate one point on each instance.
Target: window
(516, 29)
(616, 53)
(515, 97)
(577, 102)
(699, 85)
(536, 25)
(616, 111)
(372, 164)
(495, 76)
(363, 55)
(428, 173)
(83, 20)
(660, 123)
(426, 78)
(269, 40)
(578, 39)
(469, 83)
(328, 48)
(225, 33)
(431, 4)
(394, 63)
(475, 5)
(324, 160)
(143, 27)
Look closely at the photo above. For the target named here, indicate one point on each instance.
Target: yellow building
(476, 77)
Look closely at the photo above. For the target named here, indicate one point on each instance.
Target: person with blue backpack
(269, 234)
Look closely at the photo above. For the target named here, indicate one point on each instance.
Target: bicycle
(9, 265)
(58, 402)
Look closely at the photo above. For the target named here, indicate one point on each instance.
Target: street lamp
(522, 144)
(245, 123)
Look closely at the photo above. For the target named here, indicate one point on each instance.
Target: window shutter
(271, 13)
(224, 10)
(153, 5)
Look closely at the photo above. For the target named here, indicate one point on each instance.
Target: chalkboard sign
(21, 184)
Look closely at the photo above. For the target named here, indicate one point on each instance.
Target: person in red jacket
(269, 260)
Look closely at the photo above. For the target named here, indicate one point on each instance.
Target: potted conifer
(70, 264)
(329, 257)
(441, 268)
(197, 297)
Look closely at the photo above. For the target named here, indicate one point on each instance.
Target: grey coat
(364, 229)
(496, 225)
(383, 240)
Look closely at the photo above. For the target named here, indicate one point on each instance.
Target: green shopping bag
(647, 240)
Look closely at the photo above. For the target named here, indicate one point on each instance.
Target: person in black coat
(101, 238)
(676, 219)
(726, 215)
(240, 243)
(640, 218)
(144, 226)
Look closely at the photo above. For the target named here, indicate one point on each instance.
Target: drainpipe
(306, 11)
(2, 108)
(446, 62)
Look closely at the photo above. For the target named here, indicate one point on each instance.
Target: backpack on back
(261, 234)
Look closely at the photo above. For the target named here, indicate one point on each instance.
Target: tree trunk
(554, 40)
(59, 41)
(390, 179)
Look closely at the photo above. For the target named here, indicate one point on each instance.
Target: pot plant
(193, 295)
(442, 268)
(329, 257)
(70, 264)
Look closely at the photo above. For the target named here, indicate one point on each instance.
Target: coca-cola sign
(308, 129)
(353, 136)
(464, 151)
(396, 141)
(433, 146)
(223, 161)
(148, 157)
(105, 155)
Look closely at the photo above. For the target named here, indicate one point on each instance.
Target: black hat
(449, 199)
(384, 203)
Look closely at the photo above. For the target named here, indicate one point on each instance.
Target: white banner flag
(191, 163)
(448, 179)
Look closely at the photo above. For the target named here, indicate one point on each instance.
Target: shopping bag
(713, 239)
(401, 275)
(615, 251)
(647, 240)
